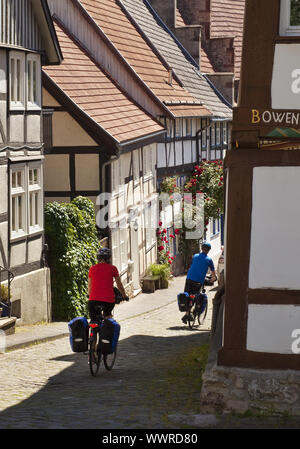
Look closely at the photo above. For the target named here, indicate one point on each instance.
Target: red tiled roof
(227, 19)
(189, 110)
(109, 16)
(83, 81)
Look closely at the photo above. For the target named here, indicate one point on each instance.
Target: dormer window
(290, 18)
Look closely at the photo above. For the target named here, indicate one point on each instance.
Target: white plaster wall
(87, 172)
(161, 155)
(33, 289)
(275, 242)
(35, 250)
(67, 132)
(16, 123)
(33, 128)
(187, 152)
(178, 153)
(286, 75)
(270, 328)
(18, 254)
(56, 172)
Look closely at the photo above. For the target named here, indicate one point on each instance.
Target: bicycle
(195, 308)
(94, 346)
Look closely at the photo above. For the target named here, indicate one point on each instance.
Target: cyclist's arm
(213, 272)
(213, 276)
(120, 286)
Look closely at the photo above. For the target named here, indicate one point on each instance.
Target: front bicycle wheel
(202, 316)
(94, 356)
(109, 360)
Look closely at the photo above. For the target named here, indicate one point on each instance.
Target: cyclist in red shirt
(100, 285)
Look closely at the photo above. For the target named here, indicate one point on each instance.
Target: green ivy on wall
(71, 235)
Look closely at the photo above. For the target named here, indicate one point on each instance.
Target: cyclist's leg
(92, 308)
(107, 308)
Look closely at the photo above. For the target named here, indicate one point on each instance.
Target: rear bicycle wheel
(109, 360)
(94, 355)
(191, 317)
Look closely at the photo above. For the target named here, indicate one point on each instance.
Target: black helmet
(206, 245)
(104, 253)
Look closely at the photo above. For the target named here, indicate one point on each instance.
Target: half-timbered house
(28, 41)
(100, 141)
(191, 136)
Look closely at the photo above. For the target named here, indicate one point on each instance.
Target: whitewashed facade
(27, 42)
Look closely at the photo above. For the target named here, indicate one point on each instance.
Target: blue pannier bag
(201, 302)
(109, 336)
(183, 300)
(79, 334)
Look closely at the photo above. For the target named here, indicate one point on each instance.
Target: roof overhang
(52, 48)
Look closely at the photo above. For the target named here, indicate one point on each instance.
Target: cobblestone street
(155, 383)
(49, 386)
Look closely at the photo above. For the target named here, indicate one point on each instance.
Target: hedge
(71, 235)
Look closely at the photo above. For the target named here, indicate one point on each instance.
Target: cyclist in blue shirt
(197, 272)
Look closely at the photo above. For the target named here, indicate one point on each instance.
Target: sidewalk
(141, 304)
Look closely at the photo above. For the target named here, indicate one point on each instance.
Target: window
(16, 80)
(25, 80)
(225, 133)
(33, 85)
(213, 135)
(34, 198)
(148, 161)
(150, 220)
(170, 125)
(18, 201)
(215, 226)
(218, 133)
(119, 246)
(118, 186)
(178, 125)
(203, 138)
(188, 127)
(26, 199)
(290, 18)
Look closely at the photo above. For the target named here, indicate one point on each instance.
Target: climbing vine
(71, 235)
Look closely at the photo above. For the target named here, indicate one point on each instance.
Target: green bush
(71, 234)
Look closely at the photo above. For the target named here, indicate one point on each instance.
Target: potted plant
(4, 298)
(163, 271)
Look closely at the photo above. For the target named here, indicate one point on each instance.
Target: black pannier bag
(109, 336)
(183, 300)
(200, 302)
(79, 334)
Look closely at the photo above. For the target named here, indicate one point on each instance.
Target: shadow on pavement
(127, 396)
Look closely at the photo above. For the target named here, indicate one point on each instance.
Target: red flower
(158, 232)
(172, 236)
(177, 231)
(161, 248)
(159, 223)
(164, 231)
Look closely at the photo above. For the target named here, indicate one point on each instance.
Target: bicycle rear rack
(6, 275)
